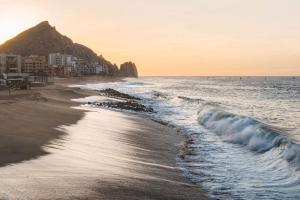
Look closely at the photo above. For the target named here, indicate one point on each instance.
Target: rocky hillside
(128, 69)
(44, 39)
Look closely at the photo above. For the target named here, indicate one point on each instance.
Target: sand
(95, 155)
(28, 119)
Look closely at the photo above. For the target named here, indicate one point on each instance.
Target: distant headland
(43, 50)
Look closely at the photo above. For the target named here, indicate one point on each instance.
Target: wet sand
(104, 155)
(28, 117)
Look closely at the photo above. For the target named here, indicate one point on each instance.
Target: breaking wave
(249, 132)
(158, 94)
(189, 99)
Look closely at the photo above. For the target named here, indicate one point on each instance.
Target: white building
(55, 59)
(66, 60)
(10, 63)
(60, 60)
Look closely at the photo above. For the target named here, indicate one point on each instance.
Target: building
(60, 60)
(11, 71)
(100, 69)
(66, 60)
(68, 65)
(34, 65)
(2, 63)
(62, 64)
(55, 59)
(10, 63)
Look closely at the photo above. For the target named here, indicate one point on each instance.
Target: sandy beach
(51, 150)
(28, 118)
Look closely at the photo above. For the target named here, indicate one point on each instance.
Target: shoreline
(152, 174)
(29, 117)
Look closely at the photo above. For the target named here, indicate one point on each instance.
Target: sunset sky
(173, 37)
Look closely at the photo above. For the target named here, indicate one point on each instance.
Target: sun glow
(173, 37)
(15, 18)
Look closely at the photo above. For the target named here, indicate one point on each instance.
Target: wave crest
(249, 132)
(189, 99)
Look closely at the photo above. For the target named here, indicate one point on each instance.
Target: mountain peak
(44, 25)
(43, 39)
(44, 22)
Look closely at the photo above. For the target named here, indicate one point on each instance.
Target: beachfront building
(60, 60)
(68, 65)
(84, 68)
(56, 63)
(100, 69)
(66, 60)
(36, 67)
(2, 64)
(11, 71)
(64, 64)
(10, 63)
(34, 64)
(55, 59)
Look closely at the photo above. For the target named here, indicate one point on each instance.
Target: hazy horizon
(174, 38)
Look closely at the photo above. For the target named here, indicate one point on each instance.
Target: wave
(189, 99)
(158, 94)
(135, 83)
(249, 132)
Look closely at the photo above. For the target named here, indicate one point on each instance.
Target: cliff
(128, 69)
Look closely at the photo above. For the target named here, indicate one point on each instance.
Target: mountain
(43, 39)
(128, 69)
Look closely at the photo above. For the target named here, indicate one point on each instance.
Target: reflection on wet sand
(91, 149)
(101, 157)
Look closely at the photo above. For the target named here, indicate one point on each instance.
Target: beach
(28, 119)
(53, 149)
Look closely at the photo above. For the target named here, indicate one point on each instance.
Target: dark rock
(116, 94)
(128, 105)
(130, 102)
(128, 69)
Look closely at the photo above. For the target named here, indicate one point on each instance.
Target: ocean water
(243, 133)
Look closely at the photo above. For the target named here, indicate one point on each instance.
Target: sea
(242, 133)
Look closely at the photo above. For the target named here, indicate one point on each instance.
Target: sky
(174, 37)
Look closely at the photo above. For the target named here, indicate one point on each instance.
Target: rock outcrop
(128, 69)
(117, 95)
(122, 101)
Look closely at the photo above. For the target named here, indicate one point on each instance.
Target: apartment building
(34, 64)
(10, 63)
(55, 59)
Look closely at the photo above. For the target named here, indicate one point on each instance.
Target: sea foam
(249, 132)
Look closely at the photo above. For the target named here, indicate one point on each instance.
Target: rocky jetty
(116, 94)
(128, 102)
(127, 105)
